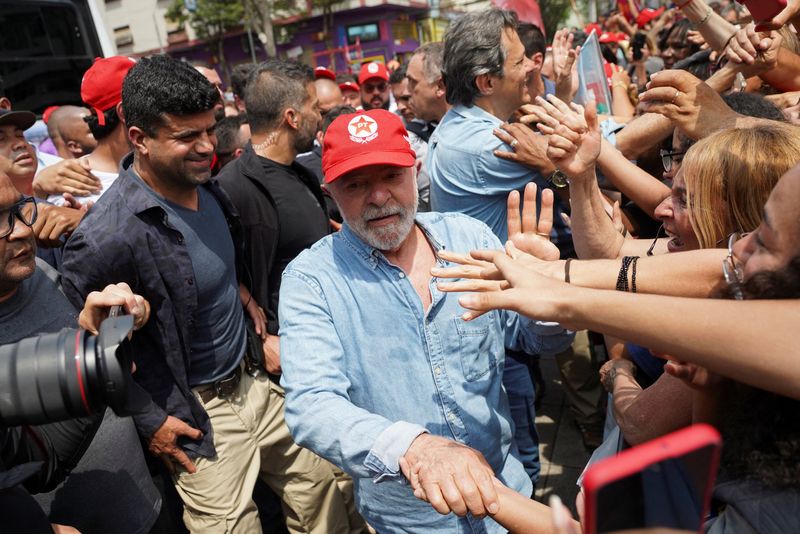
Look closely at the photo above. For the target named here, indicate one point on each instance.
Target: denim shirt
(366, 369)
(467, 177)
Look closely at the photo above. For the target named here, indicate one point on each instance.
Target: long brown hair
(730, 174)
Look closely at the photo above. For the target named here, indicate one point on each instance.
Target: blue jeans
(521, 395)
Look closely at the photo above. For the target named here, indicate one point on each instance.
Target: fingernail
(493, 508)
(436, 271)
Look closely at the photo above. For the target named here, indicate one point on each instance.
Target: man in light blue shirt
(378, 364)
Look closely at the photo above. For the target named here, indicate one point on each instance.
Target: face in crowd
(18, 246)
(512, 88)
(309, 121)
(402, 98)
(20, 156)
(375, 94)
(776, 240)
(351, 97)
(426, 96)
(379, 203)
(181, 149)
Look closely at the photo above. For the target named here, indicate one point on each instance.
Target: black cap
(20, 119)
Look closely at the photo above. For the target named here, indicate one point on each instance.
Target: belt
(222, 388)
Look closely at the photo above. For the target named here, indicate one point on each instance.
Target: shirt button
(180, 240)
(438, 371)
(401, 275)
(451, 417)
(190, 281)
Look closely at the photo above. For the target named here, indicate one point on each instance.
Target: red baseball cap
(47, 112)
(646, 15)
(593, 26)
(611, 37)
(101, 87)
(324, 72)
(373, 70)
(349, 86)
(356, 140)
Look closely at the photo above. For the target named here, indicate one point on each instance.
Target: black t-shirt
(110, 490)
(302, 220)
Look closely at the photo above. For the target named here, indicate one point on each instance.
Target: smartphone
(639, 42)
(764, 10)
(664, 483)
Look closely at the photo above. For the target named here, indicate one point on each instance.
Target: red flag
(622, 5)
(526, 10)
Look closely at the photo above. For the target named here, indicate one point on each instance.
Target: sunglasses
(371, 88)
(667, 158)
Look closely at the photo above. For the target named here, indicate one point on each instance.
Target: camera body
(68, 374)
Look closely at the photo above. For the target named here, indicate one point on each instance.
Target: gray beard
(387, 237)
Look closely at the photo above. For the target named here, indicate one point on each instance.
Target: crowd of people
(342, 284)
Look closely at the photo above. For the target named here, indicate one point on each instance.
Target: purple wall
(305, 34)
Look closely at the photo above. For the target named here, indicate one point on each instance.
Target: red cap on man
(324, 72)
(101, 87)
(356, 140)
(349, 86)
(373, 70)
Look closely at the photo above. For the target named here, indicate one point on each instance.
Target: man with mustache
(373, 81)
(175, 238)
(377, 362)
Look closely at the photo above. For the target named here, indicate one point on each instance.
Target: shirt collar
(476, 113)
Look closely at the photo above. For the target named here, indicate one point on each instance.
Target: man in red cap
(378, 364)
(86, 178)
(374, 82)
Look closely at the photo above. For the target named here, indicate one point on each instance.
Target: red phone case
(635, 459)
(764, 10)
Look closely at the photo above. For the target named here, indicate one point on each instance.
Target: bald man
(70, 133)
(212, 76)
(328, 94)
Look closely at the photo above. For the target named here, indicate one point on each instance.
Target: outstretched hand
(573, 135)
(528, 232)
(530, 294)
(564, 61)
(695, 108)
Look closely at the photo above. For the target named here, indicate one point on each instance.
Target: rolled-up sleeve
(319, 412)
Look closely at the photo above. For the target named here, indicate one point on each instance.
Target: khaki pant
(252, 440)
(581, 379)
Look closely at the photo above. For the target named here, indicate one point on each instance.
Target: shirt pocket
(476, 346)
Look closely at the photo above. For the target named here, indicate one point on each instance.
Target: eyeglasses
(732, 268)
(667, 158)
(24, 210)
(371, 88)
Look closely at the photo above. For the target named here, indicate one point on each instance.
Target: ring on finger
(677, 94)
(513, 144)
(543, 234)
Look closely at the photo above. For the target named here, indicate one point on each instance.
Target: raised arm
(715, 30)
(639, 186)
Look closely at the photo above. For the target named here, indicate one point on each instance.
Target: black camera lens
(68, 374)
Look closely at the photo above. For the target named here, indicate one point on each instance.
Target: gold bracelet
(620, 84)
